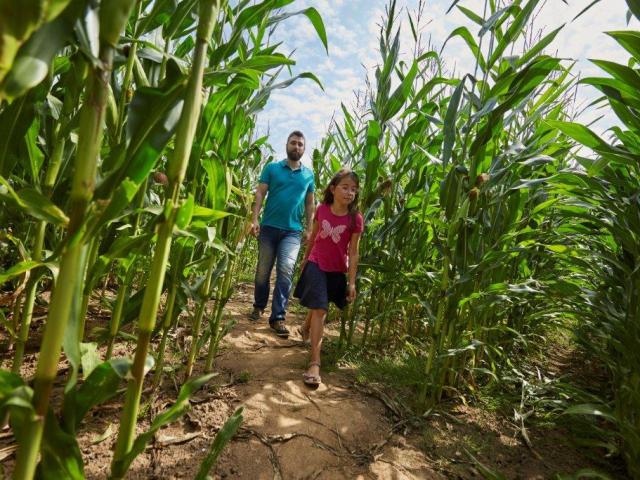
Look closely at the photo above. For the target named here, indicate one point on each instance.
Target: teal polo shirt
(285, 196)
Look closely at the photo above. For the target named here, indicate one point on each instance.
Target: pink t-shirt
(332, 241)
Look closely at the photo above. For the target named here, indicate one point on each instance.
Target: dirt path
(292, 431)
(338, 431)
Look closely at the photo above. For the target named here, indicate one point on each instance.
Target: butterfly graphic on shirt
(333, 232)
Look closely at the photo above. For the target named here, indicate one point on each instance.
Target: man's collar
(285, 164)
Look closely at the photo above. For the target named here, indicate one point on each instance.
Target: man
(289, 187)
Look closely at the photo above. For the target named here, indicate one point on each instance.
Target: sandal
(312, 380)
(280, 329)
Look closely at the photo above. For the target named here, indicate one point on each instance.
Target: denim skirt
(316, 288)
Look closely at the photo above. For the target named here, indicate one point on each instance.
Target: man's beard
(294, 156)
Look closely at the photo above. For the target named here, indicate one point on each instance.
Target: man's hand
(351, 293)
(255, 229)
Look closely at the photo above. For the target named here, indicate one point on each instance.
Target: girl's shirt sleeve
(359, 227)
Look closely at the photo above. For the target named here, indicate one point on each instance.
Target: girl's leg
(306, 326)
(316, 332)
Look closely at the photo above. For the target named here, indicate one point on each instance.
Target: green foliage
(222, 438)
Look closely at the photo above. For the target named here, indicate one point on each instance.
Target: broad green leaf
(185, 212)
(18, 20)
(450, 120)
(34, 58)
(471, 15)
(400, 95)
(260, 99)
(589, 409)
(515, 29)
(629, 40)
(634, 7)
(97, 388)
(620, 72)
(313, 16)
(371, 159)
(536, 49)
(463, 32)
(219, 183)
(254, 14)
(71, 340)
(15, 120)
(222, 438)
(60, 453)
(33, 203)
(35, 155)
(18, 269)
(170, 415)
(89, 357)
(153, 117)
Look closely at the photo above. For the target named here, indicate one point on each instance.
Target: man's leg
(287, 253)
(267, 241)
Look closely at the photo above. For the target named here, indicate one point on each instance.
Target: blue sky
(352, 30)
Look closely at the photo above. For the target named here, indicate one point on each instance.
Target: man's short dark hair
(295, 133)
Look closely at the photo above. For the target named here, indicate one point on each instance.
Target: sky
(353, 28)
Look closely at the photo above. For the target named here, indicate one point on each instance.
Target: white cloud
(353, 28)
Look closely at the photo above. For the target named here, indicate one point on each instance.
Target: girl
(331, 253)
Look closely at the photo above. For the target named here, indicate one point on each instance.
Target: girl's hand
(351, 293)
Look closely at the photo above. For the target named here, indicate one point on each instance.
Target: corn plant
(133, 91)
(602, 197)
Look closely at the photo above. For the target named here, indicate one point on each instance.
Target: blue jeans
(279, 246)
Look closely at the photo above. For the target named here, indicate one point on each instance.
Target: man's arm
(309, 245)
(261, 192)
(309, 210)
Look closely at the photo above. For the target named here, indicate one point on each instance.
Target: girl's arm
(354, 257)
(309, 245)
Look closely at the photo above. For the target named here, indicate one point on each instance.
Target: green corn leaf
(35, 155)
(33, 203)
(634, 7)
(450, 119)
(168, 416)
(400, 95)
(372, 153)
(18, 269)
(31, 64)
(313, 16)
(223, 437)
(219, 183)
(71, 340)
(15, 120)
(585, 10)
(536, 49)
(98, 387)
(185, 212)
(180, 19)
(471, 15)
(590, 409)
(18, 20)
(463, 32)
(629, 40)
(60, 453)
(620, 72)
(8, 383)
(258, 102)
(514, 30)
(252, 16)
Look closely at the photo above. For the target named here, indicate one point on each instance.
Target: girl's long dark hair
(327, 197)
